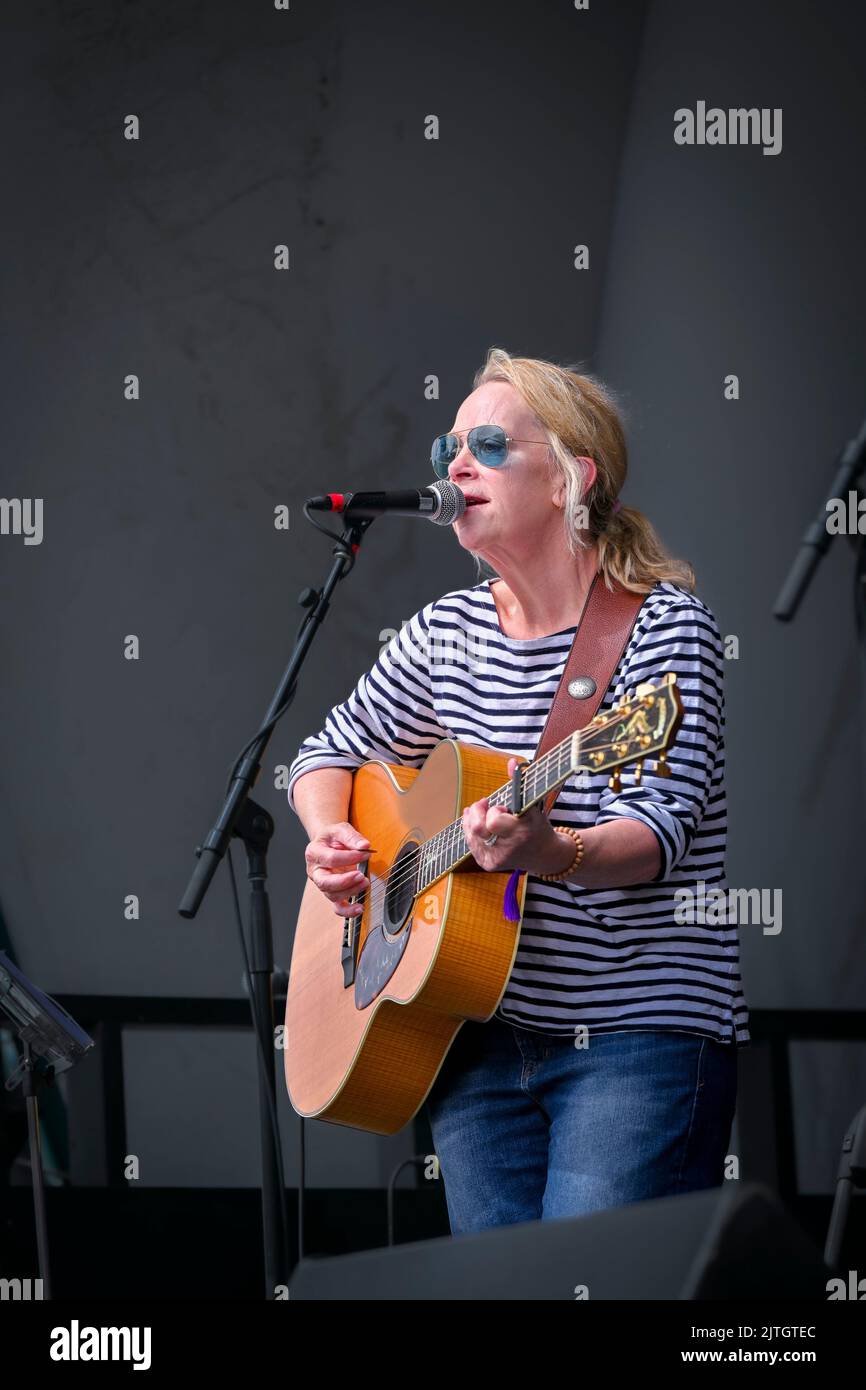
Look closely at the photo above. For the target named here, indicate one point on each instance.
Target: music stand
(48, 1035)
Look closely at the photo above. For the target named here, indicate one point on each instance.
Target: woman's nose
(463, 463)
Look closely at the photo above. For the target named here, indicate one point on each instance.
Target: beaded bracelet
(578, 854)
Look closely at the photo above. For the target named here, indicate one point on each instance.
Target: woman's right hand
(332, 859)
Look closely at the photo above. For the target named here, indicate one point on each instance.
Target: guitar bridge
(351, 938)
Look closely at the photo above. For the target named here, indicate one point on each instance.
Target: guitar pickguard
(380, 956)
(387, 939)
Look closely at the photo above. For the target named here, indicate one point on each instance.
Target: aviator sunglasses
(487, 443)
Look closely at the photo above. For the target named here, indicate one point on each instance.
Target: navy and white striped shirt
(603, 958)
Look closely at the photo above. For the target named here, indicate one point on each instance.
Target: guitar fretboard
(447, 848)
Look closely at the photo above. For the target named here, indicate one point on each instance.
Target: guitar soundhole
(400, 890)
(386, 941)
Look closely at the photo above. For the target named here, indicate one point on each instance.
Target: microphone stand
(252, 824)
(813, 547)
(851, 1175)
(816, 541)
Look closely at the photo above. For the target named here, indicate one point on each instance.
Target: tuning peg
(615, 780)
(638, 771)
(661, 767)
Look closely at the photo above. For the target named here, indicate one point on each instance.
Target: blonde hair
(580, 417)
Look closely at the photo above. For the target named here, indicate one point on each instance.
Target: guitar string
(453, 833)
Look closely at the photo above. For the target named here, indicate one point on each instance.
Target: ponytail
(580, 416)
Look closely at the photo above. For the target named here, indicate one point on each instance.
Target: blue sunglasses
(487, 443)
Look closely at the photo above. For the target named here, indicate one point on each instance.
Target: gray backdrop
(408, 257)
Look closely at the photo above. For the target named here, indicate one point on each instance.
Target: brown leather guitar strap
(603, 630)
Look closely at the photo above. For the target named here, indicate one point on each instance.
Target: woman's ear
(590, 472)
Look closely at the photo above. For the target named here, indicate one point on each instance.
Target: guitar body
(374, 1005)
(365, 1053)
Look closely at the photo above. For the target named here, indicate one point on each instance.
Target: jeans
(526, 1126)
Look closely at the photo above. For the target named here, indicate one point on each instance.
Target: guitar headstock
(643, 726)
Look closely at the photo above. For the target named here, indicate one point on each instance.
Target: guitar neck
(447, 849)
(640, 727)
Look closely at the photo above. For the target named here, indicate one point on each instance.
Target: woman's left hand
(522, 842)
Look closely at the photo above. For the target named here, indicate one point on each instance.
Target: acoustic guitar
(373, 1009)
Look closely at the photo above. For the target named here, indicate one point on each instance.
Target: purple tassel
(510, 905)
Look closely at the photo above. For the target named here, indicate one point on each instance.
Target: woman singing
(608, 1073)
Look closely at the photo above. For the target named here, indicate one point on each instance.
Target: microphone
(442, 503)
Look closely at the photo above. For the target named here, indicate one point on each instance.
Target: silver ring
(492, 840)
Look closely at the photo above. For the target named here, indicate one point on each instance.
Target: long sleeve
(683, 638)
(388, 715)
(607, 958)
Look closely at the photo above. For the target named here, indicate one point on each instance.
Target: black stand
(816, 541)
(813, 547)
(851, 1175)
(31, 1080)
(48, 1034)
(251, 823)
(255, 827)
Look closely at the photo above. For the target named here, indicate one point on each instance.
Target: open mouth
(476, 501)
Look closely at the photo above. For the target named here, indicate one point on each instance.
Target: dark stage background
(408, 258)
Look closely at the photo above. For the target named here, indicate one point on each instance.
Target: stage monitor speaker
(733, 1242)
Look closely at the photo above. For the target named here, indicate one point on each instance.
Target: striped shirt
(606, 959)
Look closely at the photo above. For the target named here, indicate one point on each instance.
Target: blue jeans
(526, 1126)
